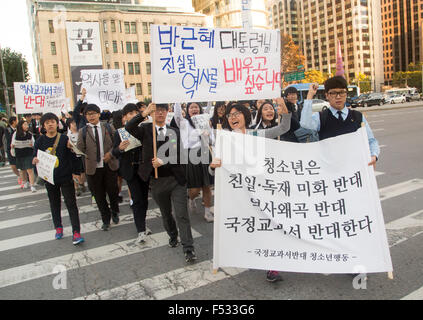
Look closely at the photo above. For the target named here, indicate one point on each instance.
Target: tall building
(402, 31)
(123, 37)
(228, 13)
(318, 25)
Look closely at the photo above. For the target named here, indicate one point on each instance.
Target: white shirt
(100, 141)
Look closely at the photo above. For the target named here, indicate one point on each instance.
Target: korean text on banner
(105, 88)
(45, 166)
(39, 97)
(298, 207)
(203, 64)
(133, 142)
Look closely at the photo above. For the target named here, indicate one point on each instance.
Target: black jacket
(127, 160)
(144, 133)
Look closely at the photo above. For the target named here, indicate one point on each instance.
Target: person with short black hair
(10, 130)
(57, 144)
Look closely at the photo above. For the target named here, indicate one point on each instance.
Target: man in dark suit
(129, 161)
(170, 187)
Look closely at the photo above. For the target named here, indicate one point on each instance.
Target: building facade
(124, 36)
(402, 31)
(318, 25)
(228, 13)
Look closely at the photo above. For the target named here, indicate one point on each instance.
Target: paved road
(109, 265)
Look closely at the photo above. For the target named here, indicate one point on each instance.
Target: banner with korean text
(105, 88)
(298, 207)
(39, 97)
(203, 64)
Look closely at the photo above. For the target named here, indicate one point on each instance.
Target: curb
(390, 107)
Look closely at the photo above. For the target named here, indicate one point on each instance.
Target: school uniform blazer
(144, 133)
(89, 148)
(126, 159)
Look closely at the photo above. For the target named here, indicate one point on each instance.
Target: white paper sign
(75, 149)
(297, 207)
(203, 64)
(105, 88)
(133, 142)
(45, 166)
(39, 97)
(130, 95)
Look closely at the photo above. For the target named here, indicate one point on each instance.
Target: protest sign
(39, 97)
(75, 149)
(45, 166)
(133, 142)
(105, 88)
(130, 96)
(203, 64)
(298, 207)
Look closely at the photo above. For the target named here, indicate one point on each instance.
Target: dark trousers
(167, 192)
(139, 196)
(68, 191)
(103, 182)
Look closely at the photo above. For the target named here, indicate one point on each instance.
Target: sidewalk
(405, 105)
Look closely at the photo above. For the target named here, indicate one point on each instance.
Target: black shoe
(173, 242)
(120, 199)
(273, 276)
(105, 227)
(115, 217)
(190, 256)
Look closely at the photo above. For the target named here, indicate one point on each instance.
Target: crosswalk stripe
(36, 238)
(400, 188)
(415, 295)
(81, 259)
(167, 284)
(378, 173)
(378, 129)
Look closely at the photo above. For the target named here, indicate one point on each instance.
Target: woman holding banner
(196, 142)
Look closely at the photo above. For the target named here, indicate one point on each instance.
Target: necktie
(340, 115)
(161, 136)
(97, 142)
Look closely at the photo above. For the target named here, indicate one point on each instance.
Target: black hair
(69, 121)
(140, 104)
(241, 108)
(162, 106)
(48, 116)
(291, 90)
(12, 119)
(188, 117)
(259, 114)
(337, 82)
(91, 107)
(117, 119)
(215, 118)
(19, 130)
(106, 115)
(129, 108)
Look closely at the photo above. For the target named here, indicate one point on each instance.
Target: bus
(353, 91)
(401, 91)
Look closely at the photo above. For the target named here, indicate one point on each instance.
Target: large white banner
(105, 88)
(203, 64)
(84, 44)
(298, 207)
(39, 97)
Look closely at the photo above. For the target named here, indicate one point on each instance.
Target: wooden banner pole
(156, 174)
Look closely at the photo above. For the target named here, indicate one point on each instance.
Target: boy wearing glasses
(337, 119)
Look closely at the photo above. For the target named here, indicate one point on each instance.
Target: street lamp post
(6, 92)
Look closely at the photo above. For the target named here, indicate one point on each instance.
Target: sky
(14, 30)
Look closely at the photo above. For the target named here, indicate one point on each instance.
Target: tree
(363, 82)
(410, 78)
(314, 76)
(291, 56)
(13, 64)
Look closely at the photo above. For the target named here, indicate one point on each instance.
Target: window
(115, 48)
(51, 26)
(116, 65)
(139, 89)
(137, 68)
(108, 65)
(133, 27)
(56, 70)
(105, 26)
(53, 48)
(127, 28)
(145, 27)
(147, 47)
(149, 88)
(148, 67)
(128, 47)
(106, 45)
(120, 26)
(113, 26)
(121, 44)
(130, 68)
(134, 47)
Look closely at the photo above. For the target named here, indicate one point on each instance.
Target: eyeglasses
(90, 113)
(334, 94)
(235, 114)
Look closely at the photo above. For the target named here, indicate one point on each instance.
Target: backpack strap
(357, 116)
(56, 143)
(323, 117)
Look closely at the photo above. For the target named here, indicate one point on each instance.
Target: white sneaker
(142, 236)
(148, 231)
(33, 189)
(26, 185)
(131, 203)
(209, 216)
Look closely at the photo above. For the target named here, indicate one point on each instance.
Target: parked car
(396, 98)
(319, 105)
(372, 99)
(413, 97)
(356, 103)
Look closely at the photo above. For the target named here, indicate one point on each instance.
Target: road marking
(36, 238)
(415, 295)
(14, 187)
(80, 259)
(378, 129)
(412, 220)
(382, 146)
(400, 189)
(376, 121)
(378, 173)
(167, 284)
